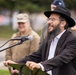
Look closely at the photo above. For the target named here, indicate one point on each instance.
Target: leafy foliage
(33, 5)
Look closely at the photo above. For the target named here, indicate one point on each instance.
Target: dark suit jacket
(64, 60)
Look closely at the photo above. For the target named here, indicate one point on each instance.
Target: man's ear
(63, 23)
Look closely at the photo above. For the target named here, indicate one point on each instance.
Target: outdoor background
(34, 8)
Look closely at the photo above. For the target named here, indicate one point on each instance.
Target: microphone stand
(21, 41)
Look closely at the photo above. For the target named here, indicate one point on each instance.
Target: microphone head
(30, 37)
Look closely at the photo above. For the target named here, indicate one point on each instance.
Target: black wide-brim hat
(64, 12)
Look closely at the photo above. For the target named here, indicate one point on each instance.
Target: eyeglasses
(52, 19)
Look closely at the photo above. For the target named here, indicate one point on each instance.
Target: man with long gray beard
(45, 28)
(56, 56)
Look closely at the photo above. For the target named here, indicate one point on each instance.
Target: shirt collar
(58, 36)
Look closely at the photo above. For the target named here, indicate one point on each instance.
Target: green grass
(6, 31)
(4, 72)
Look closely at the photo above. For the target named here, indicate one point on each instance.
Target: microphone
(24, 38)
(21, 39)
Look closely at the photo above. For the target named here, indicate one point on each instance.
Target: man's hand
(6, 63)
(32, 65)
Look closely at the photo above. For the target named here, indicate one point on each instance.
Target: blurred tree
(71, 4)
(32, 5)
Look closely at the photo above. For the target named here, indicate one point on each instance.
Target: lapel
(59, 45)
(61, 42)
(48, 47)
(49, 40)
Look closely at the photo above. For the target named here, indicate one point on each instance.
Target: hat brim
(21, 20)
(70, 21)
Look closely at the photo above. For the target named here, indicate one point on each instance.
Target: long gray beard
(55, 32)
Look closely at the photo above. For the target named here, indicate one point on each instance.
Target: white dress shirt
(52, 50)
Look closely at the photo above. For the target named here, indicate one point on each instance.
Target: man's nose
(49, 21)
